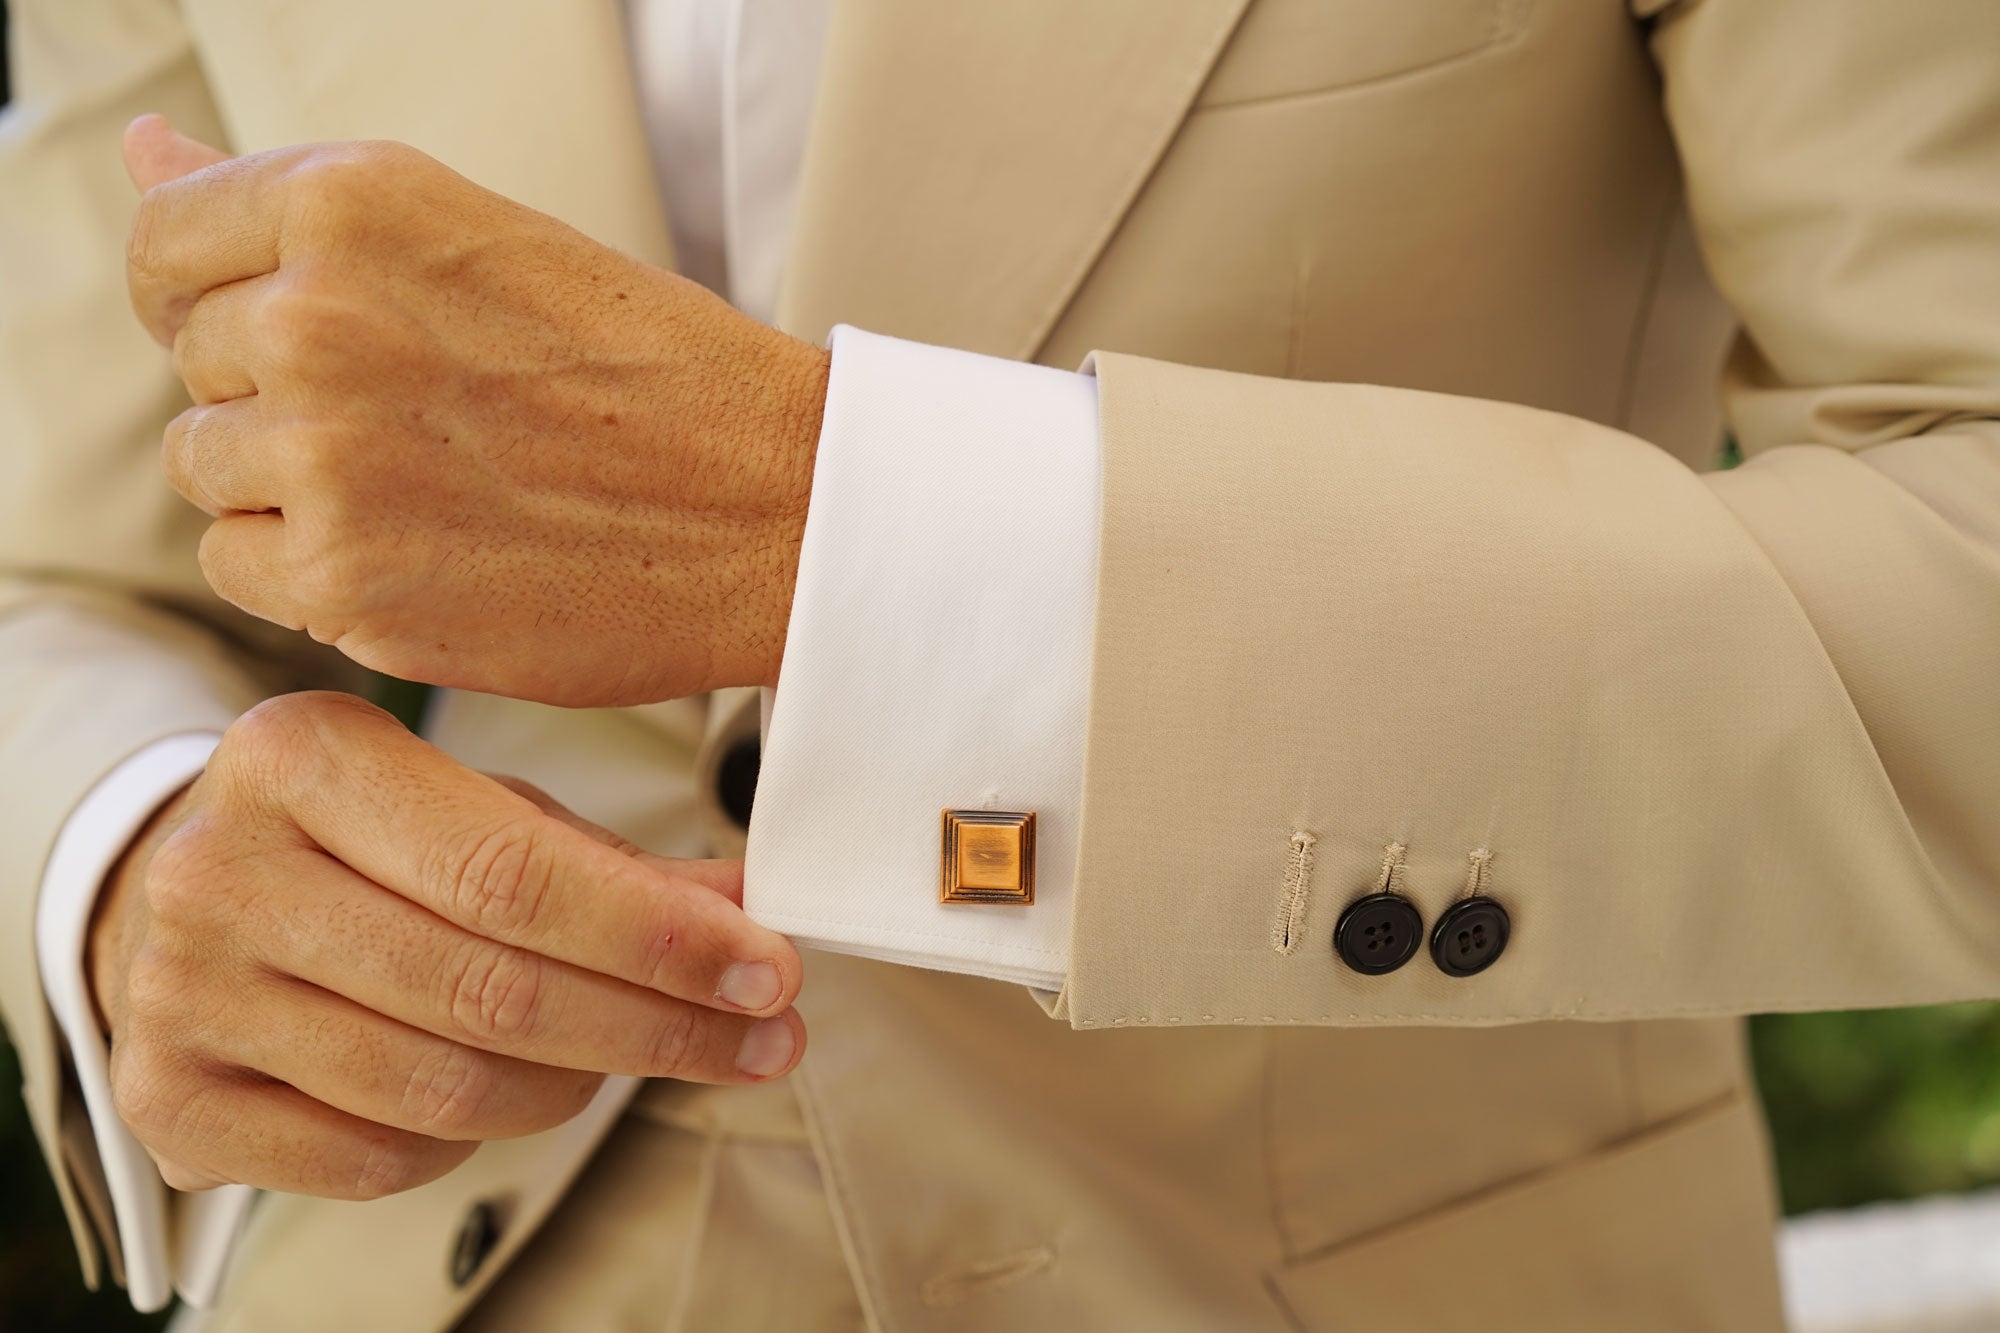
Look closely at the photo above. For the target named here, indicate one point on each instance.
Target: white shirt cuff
(938, 657)
(86, 848)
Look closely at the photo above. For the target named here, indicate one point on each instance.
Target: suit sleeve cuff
(938, 658)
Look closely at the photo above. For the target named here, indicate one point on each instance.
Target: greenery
(1881, 1104)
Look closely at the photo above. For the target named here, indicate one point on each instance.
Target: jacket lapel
(969, 162)
(532, 98)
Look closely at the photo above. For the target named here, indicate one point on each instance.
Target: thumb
(156, 152)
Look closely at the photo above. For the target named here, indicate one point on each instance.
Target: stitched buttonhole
(1294, 893)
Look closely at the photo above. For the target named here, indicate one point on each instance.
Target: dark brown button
(736, 780)
(1378, 933)
(477, 1236)
(1470, 936)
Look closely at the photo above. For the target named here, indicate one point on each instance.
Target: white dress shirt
(938, 657)
(939, 473)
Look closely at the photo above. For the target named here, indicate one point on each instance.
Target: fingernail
(750, 986)
(767, 1048)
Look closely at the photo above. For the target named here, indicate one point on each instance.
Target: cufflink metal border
(988, 856)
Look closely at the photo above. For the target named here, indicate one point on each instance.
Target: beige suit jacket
(1407, 347)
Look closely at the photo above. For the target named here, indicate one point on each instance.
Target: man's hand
(463, 442)
(340, 959)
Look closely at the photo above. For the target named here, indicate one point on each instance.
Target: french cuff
(938, 658)
(103, 824)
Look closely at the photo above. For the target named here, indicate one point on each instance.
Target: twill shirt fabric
(1406, 322)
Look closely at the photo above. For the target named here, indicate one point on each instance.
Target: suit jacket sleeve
(109, 639)
(1731, 741)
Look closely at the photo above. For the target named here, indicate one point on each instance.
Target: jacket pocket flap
(1290, 48)
(1666, 1232)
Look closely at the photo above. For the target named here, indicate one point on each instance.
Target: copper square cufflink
(989, 857)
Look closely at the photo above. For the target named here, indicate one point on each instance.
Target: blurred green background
(1885, 1104)
(1863, 1106)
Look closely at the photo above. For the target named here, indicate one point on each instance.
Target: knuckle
(159, 1109)
(385, 1166)
(290, 732)
(138, 1098)
(180, 885)
(270, 731)
(447, 1092)
(142, 241)
(154, 983)
(264, 749)
(326, 457)
(328, 175)
(500, 881)
(323, 582)
(300, 328)
(181, 355)
(498, 994)
(677, 1044)
(220, 572)
(334, 576)
(339, 181)
(282, 323)
(177, 450)
(386, 155)
(291, 743)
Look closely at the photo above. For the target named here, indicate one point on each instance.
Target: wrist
(789, 433)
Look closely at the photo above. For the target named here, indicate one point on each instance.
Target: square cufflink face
(988, 857)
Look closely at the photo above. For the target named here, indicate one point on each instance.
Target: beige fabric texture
(1408, 321)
